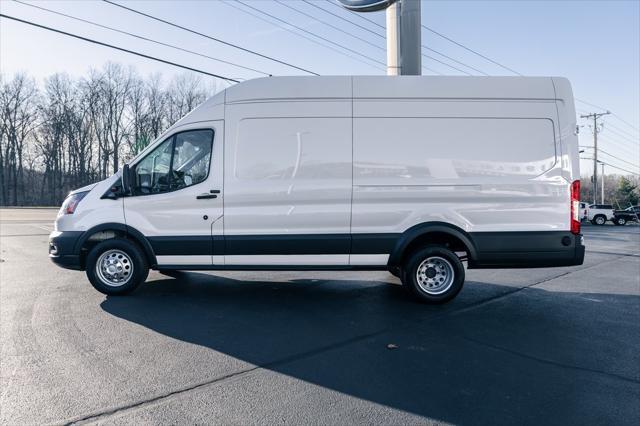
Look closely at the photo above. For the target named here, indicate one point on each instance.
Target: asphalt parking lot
(534, 346)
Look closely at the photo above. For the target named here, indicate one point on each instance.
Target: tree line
(70, 132)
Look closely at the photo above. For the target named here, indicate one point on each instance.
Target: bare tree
(185, 93)
(18, 100)
(79, 131)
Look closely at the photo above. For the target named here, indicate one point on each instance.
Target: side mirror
(126, 180)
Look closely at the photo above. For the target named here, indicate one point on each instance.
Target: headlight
(71, 202)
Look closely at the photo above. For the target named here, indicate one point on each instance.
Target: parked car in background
(583, 211)
(630, 214)
(599, 214)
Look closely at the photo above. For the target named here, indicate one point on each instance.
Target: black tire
(436, 295)
(114, 248)
(620, 221)
(599, 220)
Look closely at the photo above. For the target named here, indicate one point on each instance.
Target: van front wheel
(433, 274)
(116, 267)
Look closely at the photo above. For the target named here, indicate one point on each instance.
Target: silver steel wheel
(114, 268)
(600, 220)
(435, 275)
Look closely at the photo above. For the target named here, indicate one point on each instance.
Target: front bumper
(62, 249)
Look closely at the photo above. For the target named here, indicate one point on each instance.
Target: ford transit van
(415, 175)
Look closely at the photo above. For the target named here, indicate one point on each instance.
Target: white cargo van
(414, 175)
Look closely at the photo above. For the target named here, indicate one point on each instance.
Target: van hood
(93, 185)
(84, 188)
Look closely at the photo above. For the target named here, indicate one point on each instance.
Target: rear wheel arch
(107, 231)
(432, 233)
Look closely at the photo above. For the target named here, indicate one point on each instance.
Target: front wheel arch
(119, 230)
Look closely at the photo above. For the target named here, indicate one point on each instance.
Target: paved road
(537, 346)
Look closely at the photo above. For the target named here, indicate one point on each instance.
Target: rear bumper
(62, 250)
(527, 249)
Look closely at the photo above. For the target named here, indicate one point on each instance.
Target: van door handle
(206, 196)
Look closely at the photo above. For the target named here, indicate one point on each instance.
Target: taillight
(575, 207)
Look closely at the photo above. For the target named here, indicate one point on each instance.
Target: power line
(611, 155)
(118, 48)
(362, 39)
(626, 122)
(623, 136)
(622, 130)
(613, 114)
(471, 50)
(635, 166)
(462, 46)
(619, 144)
(448, 39)
(142, 37)
(330, 25)
(210, 37)
(611, 165)
(383, 37)
(357, 37)
(289, 30)
(590, 104)
(311, 33)
(344, 19)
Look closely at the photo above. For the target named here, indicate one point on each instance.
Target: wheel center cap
(431, 272)
(111, 269)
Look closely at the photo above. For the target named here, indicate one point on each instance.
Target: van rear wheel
(433, 274)
(116, 266)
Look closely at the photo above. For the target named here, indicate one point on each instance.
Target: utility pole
(602, 197)
(595, 116)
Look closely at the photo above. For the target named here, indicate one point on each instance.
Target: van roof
(380, 87)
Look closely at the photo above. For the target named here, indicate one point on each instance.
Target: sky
(596, 44)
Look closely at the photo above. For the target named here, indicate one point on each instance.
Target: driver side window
(180, 161)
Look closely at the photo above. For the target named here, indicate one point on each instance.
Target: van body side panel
(483, 166)
(288, 182)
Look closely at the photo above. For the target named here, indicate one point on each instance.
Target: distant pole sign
(404, 37)
(366, 5)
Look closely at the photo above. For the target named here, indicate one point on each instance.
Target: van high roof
(433, 87)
